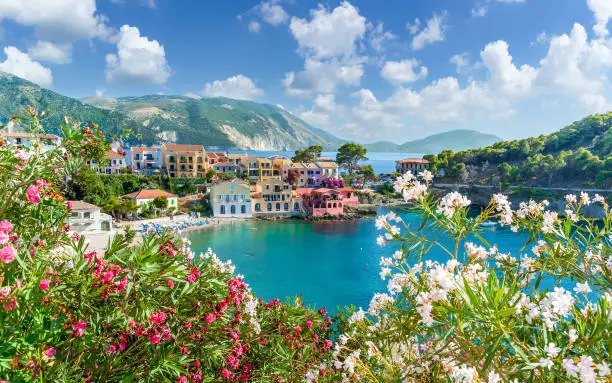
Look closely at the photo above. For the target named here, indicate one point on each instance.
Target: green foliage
(367, 173)
(349, 155)
(210, 175)
(160, 202)
(119, 208)
(309, 154)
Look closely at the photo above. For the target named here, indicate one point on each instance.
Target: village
(238, 186)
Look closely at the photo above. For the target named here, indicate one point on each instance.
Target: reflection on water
(335, 228)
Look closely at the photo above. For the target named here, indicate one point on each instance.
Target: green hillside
(460, 139)
(217, 122)
(577, 155)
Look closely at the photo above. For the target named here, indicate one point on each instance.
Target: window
(278, 206)
(74, 214)
(269, 207)
(222, 210)
(257, 207)
(286, 206)
(233, 209)
(296, 206)
(87, 215)
(243, 209)
(267, 187)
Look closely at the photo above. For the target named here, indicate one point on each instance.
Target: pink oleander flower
(154, 338)
(309, 323)
(49, 353)
(7, 255)
(6, 226)
(33, 195)
(11, 305)
(78, 329)
(297, 329)
(158, 318)
(170, 283)
(44, 284)
(69, 205)
(210, 318)
(5, 291)
(4, 238)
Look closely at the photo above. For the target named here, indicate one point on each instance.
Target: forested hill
(220, 122)
(577, 155)
(459, 139)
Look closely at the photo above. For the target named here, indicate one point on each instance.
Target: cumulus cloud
(379, 37)
(59, 19)
(138, 59)
(322, 107)
(603, 13)
(461, 61)
(238, 87)
(273, 13)
(399, 72)
(21, 64)
(50, 52)
(322, 77)
(328, 33)
(433, 32)
(254, 26)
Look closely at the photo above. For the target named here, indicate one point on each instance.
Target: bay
(330, 264)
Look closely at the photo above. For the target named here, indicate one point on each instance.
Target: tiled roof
(223, 164)
(29, 135)
(184, 147)
(113, 154)
(142, 149)
(81, 205)
(328, 165)
(413, 161)
(149, 194)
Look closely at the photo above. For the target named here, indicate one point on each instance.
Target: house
(329, 169)
(145, 160)
(280, 167)
(231, 199)
(411, 164)
(215, 157)
(274, 198)
(116, 162)
(184, 161)
(87, 218)
(25, 140)
(146, 196)
(257, 167)
(325, 201)
(225, 167)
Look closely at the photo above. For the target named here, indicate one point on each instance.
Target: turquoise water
(329, 264)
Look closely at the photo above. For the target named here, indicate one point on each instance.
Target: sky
(364, 70)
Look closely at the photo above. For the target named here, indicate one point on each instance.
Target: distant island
(456, 140)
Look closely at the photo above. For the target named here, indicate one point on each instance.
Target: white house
(231, 199)
(146, 196)
(87, 218)
(25, 140)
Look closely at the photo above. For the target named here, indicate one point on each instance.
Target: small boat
(489, 224)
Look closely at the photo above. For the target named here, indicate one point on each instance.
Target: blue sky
(366, 70)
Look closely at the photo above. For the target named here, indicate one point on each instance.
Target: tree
(309, 154)
(368, 174)
(210, 175)
(161, 202)
(349, 156)
(293, 177)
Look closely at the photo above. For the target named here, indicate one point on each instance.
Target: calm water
(381, 162)
(330, 264)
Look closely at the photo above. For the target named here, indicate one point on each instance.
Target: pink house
(322, 201)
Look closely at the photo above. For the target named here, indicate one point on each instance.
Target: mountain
(219, 122)
(456, 140)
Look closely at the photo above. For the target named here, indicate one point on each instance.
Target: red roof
(141, 149)
(413, 161)
(149, 194)
(346, 189)
(184, 147)
(113, 154)
(223, 164)
(304, 191)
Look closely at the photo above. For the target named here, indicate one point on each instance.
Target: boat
(489, 224)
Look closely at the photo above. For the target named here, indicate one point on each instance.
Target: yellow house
(274, 198)
(184, 161)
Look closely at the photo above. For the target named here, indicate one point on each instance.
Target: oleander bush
(146, 310)
(481, 314)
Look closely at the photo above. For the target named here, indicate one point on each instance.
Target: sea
(331, 265)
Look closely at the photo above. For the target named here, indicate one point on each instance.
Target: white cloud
(461, 61)
(414, 27)
(59, 19)
(323, 77)
(322, 107)
(479, 11)
(192, 95)
(50, 52)
(433, 32)
(603, 13)
(20, 64)
(273, 13)
(328, 33)
(238, 87)
(378, 37)
(138, 59)
(505, 76)
(254, 26)
(399, 72)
